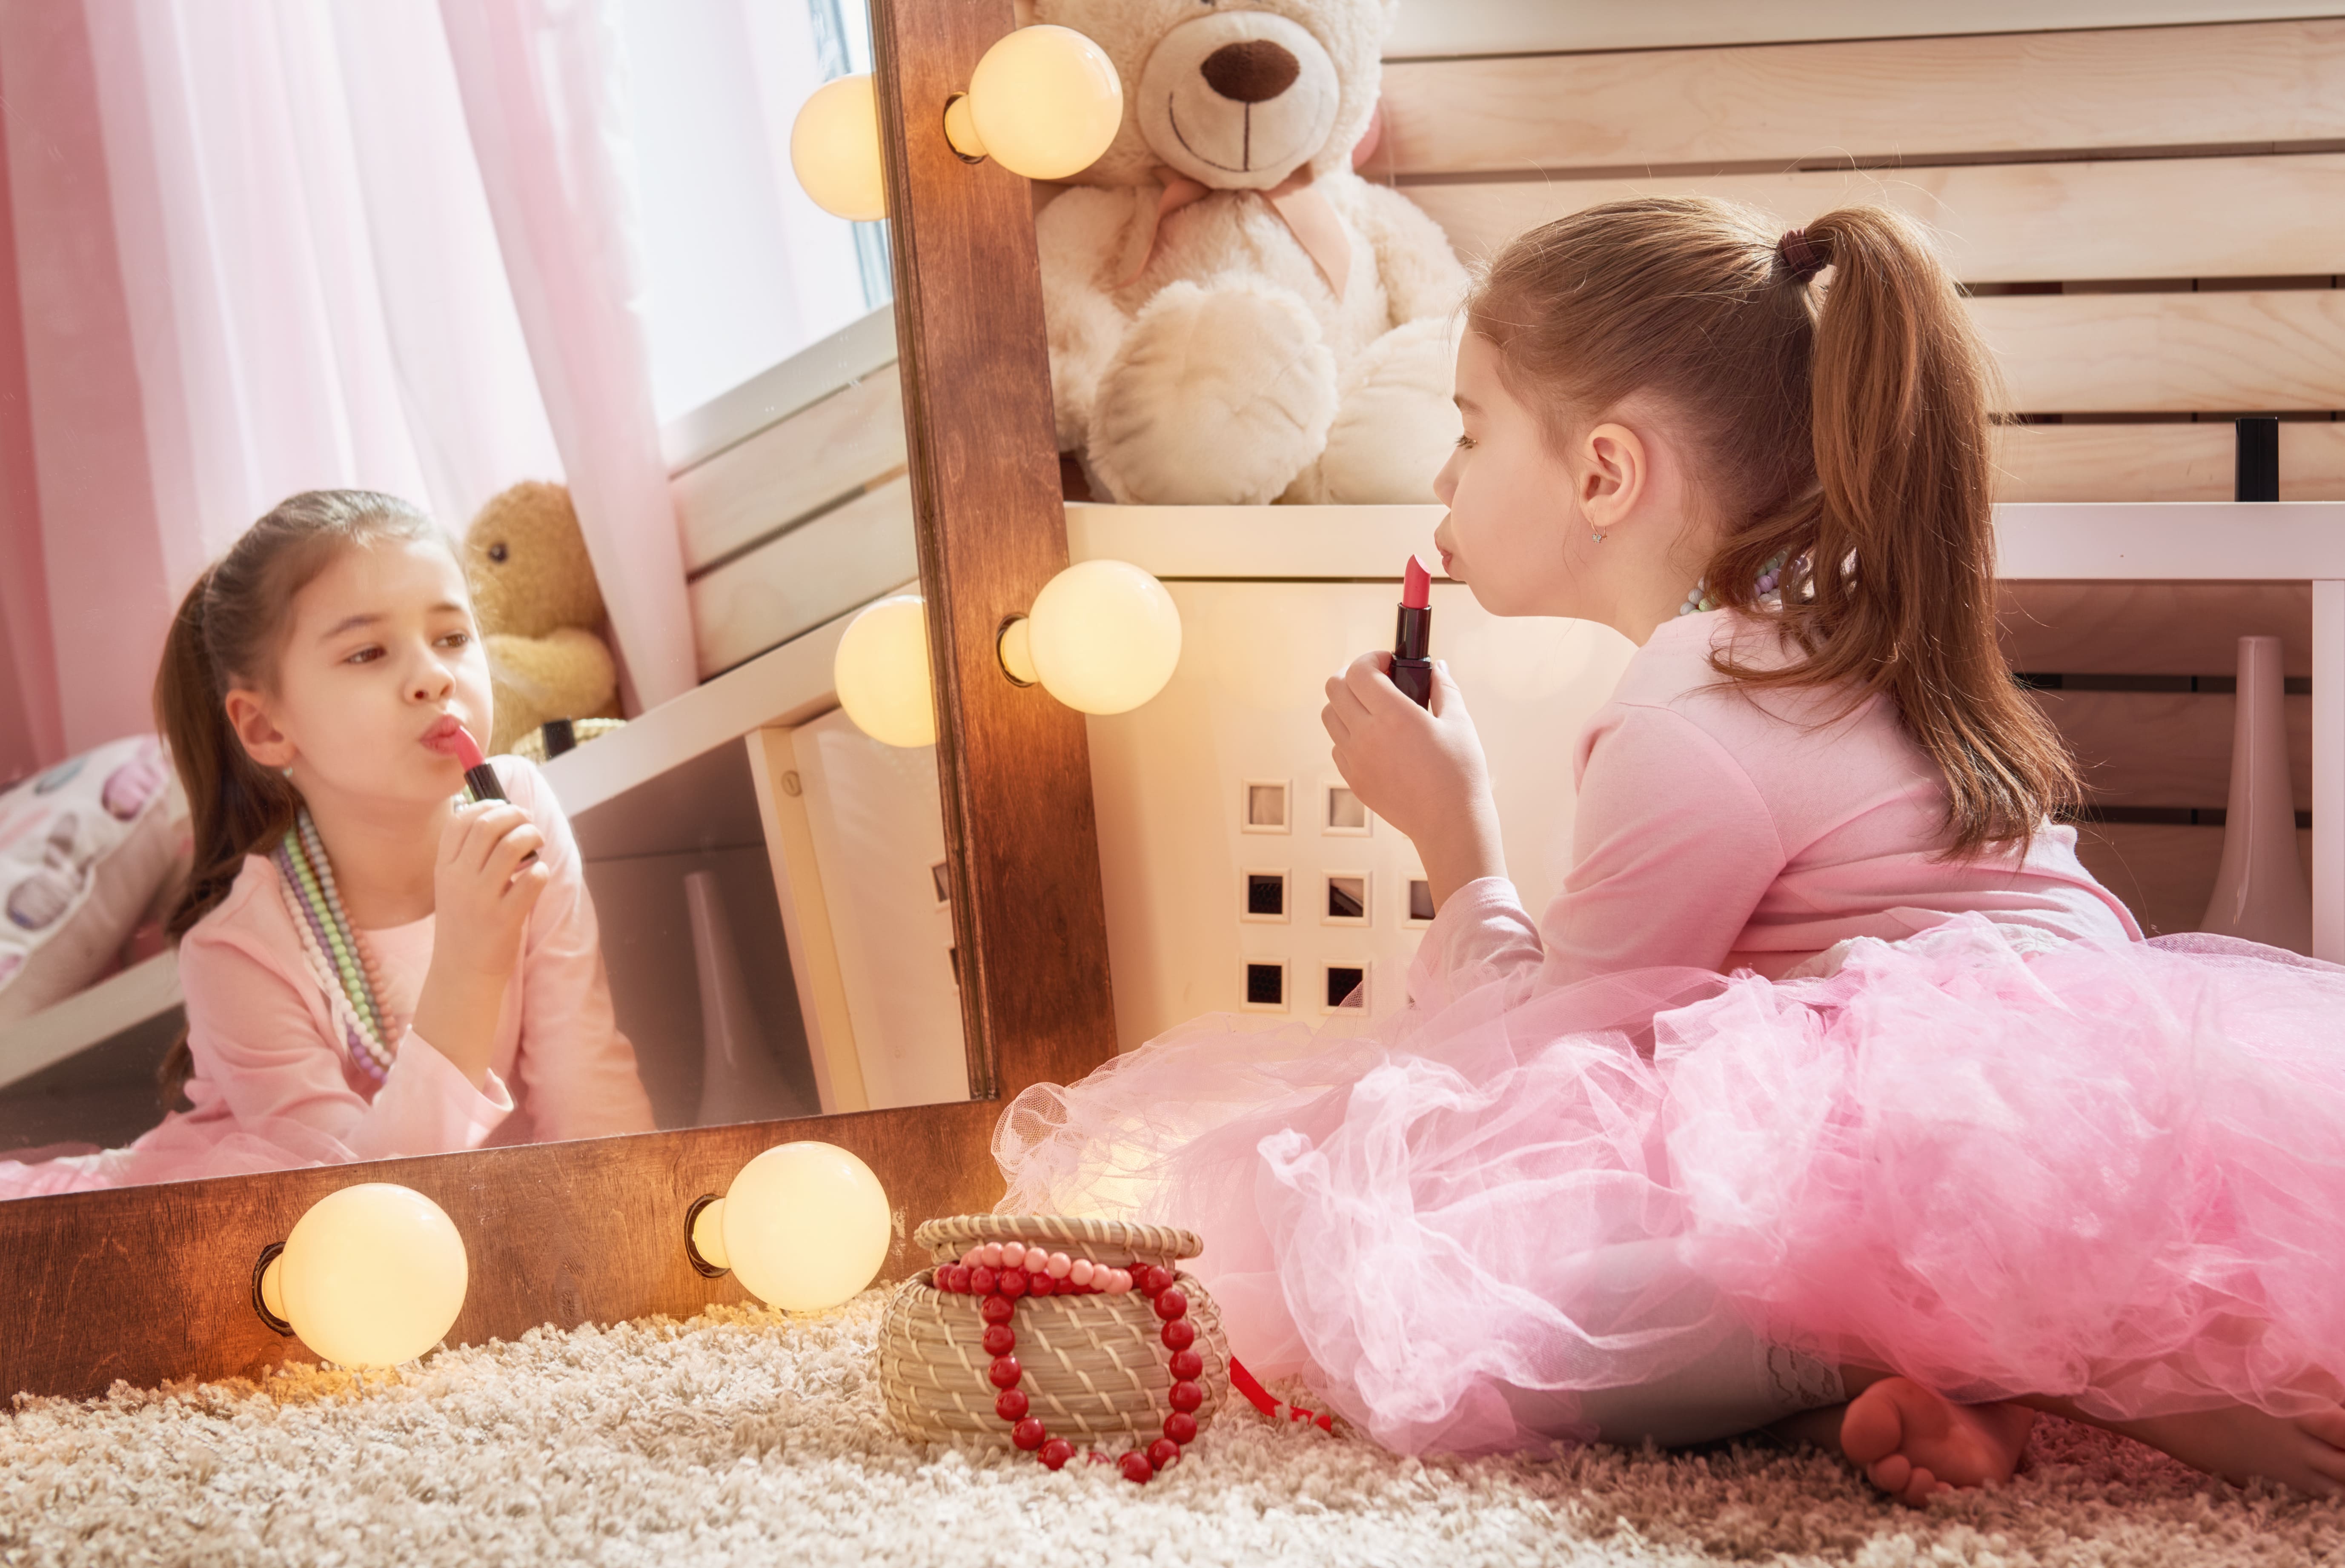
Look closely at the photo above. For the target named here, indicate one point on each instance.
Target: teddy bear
(540, 611)
(1236, 316)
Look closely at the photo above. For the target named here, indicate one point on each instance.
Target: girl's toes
(1922, 1487)
(1890, 1474)
(1872, 1429)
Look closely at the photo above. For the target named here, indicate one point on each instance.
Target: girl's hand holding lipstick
(484, 886)
(1420, 769)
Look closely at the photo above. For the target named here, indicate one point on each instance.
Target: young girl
(372, 968)
(1830, 1061)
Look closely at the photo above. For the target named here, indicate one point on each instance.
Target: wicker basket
(1095, 1367)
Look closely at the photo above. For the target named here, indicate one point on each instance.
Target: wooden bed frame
(154, 1283)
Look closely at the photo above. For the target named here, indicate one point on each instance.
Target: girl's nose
(1445, 483)
(431, 681)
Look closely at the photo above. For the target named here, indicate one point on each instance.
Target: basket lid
(963, 1231)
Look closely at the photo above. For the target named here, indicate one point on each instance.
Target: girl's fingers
(1370, 681)
(526, 886)
(1344, 705)
(514, 848)
(477, 830)
(1446, 697)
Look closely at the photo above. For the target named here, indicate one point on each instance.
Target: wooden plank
(786, 686)
(1442, 29)
(2164, 871)
(862, 348)
(2252, 86)
(2161, 461)
(2234, 350)
(2152, 628)
(791, 584)
(152, 1283)
(1014, 765)
(2265, 216)
(806, 923)
(2170, 541)
(848, 442)
(2167, 748)
(86, 1019)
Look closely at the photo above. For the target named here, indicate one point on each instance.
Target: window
(1347, 989)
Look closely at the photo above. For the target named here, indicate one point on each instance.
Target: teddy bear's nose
(1253, 71)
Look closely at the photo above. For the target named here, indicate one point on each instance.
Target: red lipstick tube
(1412, 672)
(483, 778)
(478, 773)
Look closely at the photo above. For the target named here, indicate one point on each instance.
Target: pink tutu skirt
(2116, 1176)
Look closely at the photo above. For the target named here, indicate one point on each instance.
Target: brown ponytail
(227, 632)
(1852, 437)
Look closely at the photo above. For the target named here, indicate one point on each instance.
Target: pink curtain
(542, 97)
(286, 244)
(90, 590)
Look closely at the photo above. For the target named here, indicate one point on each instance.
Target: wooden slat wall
(1877, 101)
(2191, 218)
(2151, 220)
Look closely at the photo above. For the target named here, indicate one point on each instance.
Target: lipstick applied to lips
(450, 738)
(477, 772)
(1411, 671)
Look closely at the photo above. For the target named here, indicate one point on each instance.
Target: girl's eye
(367, 656)
(1465, 442)
(456, 640)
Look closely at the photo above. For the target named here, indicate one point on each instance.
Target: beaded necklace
(1770, 577)
(338, 955)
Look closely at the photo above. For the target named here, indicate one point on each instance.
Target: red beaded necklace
(1021, 1271)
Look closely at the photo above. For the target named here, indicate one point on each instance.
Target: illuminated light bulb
(804, 1227)
(1044, 102)
(371, 1276)
(835, 150)
(881, 672)
(1103, 637)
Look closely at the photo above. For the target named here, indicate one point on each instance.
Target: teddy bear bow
(1307, 213)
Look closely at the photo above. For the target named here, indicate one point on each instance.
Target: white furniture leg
(2329, 770)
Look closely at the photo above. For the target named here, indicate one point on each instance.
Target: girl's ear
(1614, 472)
(263, 742)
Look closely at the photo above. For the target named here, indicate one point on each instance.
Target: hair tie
(1804, 256)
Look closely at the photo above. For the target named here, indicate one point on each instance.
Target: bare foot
(1910, 1442)
(2239, 1442)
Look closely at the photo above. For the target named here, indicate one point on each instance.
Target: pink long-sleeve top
(1722, 827)
(269, 1062)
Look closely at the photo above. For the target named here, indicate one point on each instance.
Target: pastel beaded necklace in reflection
(343, 962)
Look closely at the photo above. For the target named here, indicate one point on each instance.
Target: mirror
(774, 887)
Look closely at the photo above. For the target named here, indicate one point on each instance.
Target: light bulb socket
(707, 1269)
(268, 1255)
(1014, 650)
(961, 130)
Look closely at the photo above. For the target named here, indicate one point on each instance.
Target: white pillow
(87, 850)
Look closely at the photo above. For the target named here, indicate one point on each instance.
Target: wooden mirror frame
(146, 1284)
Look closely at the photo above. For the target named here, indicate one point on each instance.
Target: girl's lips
(441, 736)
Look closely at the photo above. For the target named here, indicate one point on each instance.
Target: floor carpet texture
(745, 1437)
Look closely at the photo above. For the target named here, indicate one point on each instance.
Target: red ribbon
(1247, 1383)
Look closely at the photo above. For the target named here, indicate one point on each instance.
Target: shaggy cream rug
(745, 1437)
